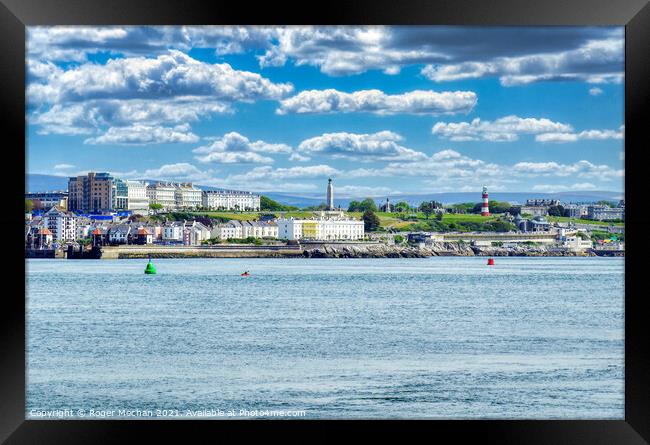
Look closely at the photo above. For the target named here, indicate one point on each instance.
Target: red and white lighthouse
(485, 208)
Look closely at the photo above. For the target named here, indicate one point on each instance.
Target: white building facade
(163, 193)
(332, 229)
(230, 200)
(62, 224)
(137, 199)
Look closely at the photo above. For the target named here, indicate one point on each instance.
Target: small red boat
(246, 274)
(490, 262)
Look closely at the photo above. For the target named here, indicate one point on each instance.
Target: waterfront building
(231, 229)
(575, 210)
(163, 193)
(172, 232)
(137, 200)
(604, 213)
(332, 228)
(576, 243)
(535, 210)
(542, 202)
(93, 192)
(536, 224)
(259, 229)
(83, 227)
(187, 196)
(230, 200)
(330, 195)
(119, 234)
(194, 232)
(62, 224)
(46, 200)
(144, 236)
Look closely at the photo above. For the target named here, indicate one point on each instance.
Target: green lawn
(388, 220)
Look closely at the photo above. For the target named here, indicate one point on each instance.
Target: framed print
(375, 213)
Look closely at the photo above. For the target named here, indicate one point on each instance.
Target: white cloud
(169, 75)
(595, 91)
(143, 134)
(362, 190)
(553, 188)
(376, 101)
(181, 171)
(269, 173)
(504, 129)
(92, 116)
(595, 61)
(170, 89)
(63, 166)
(234, 148)
(580, 169)
(515, 54)
(583, 135)
(383, 145)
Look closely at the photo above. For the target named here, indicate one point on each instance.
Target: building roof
(44, 231)
(97, 231)
(143, 231)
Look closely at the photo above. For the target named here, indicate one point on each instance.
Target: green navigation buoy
(150, 269)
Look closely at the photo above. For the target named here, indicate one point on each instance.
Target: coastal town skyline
(384, 110)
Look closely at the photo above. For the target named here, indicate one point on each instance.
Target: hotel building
(62, 224)
(91, 193)
(230, 200)
(320, 229)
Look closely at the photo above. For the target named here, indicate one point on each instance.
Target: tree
(155, 206)
(399, 239)
(439, 216)
(402, 206)
(363, 206)
(427, 207)
(556, 210)
(371, 221)
(267, 203)
(29, 205)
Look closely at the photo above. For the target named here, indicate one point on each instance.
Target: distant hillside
(44, 183)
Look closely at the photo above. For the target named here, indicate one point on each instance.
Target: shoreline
(323, 250)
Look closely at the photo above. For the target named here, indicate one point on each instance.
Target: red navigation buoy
(490, 262)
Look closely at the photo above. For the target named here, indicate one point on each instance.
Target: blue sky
(382, 110)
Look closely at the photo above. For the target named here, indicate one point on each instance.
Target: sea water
(441, 337)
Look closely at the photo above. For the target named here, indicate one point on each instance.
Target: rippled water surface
(444, 337)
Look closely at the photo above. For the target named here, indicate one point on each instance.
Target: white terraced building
(137, 199)
(163, 193)
(320, 229)
(174, 196)
(230, 200)
(187, 196)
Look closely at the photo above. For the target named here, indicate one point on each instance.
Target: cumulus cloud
(144, 134)
(583, 135)
(376, 101)
(595, 61)
(169, 75)
(171, 89)
(63, 166)
(94, 115)
(383, 145)
(595, 91)
(181, 171)
(504, 129)
(580, 169)
(515, 54)
(233, 148)
(269, 173)
(553, 188)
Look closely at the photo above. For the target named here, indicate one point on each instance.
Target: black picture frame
(15, 15)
